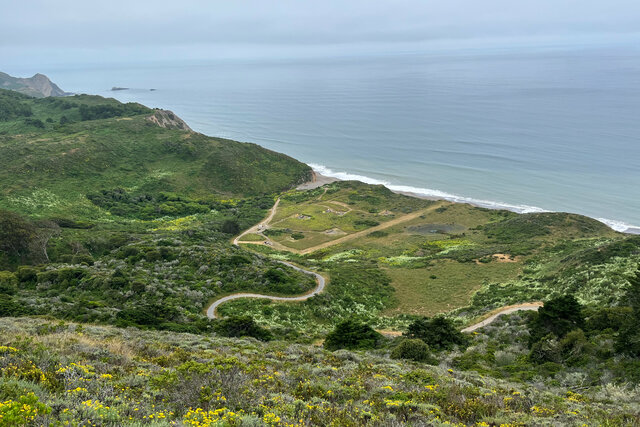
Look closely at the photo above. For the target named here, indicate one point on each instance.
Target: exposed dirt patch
(505, 258)
(335, 232)
(168, 120)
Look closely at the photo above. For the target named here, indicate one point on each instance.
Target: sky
(115, 30)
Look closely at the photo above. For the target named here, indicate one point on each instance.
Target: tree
(39, 243)
(15, 234)
(558, 316)
(438, 333)
(352, 335)
(230, 226)
(629, 338)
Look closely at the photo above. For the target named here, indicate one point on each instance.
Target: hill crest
(39, 85)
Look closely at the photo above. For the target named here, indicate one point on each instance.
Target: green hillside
(67, 148)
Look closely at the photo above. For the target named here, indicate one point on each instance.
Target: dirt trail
(211, 310)
(265, 223)
(258, 228)
(382, 226)
(529, 306)
(261, 226)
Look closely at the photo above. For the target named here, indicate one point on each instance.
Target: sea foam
(437, 194)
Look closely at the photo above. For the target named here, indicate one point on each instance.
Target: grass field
(445, 285)
(251, 237)
(337, 210)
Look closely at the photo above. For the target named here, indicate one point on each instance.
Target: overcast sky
(132, 27)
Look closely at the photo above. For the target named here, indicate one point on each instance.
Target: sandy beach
(318, 180)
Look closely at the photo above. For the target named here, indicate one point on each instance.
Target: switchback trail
(258, 228)
(211, 311)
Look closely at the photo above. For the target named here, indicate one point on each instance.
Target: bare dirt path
(211, 310)
(258, 228)
(529, 306)
(382, 226)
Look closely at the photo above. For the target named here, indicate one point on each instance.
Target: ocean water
(528, 129)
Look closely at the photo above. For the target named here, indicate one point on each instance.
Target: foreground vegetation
(79, 375)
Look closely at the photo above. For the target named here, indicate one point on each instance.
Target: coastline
(323, 175)
(317, 180)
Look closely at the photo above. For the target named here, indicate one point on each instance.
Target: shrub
(378, 234)
(412, 349)
(276, 275)
(23, 411)
(82, 259)
(8, 283)
(150, 315)
(27, 274)
(575, 348)
(15, 233)
(352, 335)
(241, 326)
(9, 307)
(230, 226)
(34, 122)
(545, 350)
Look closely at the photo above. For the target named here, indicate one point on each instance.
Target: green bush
(412, 349)
(352, 335)
(27, 274)
(8, 283)
(9, 307)
(241, 326)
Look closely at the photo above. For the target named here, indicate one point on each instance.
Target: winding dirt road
(211, 310)
(529, 306)
(264, 224)
(259, 228)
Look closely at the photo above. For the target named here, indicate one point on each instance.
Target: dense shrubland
(101, 375)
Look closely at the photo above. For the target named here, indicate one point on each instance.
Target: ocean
(529, 129)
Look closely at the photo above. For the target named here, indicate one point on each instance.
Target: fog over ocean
(528, 128)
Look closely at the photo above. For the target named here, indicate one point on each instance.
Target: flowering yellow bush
(25, 370)
(201, 418)
(21, 412)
